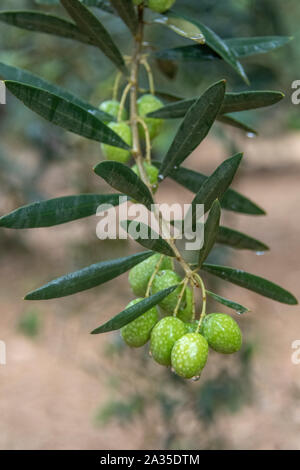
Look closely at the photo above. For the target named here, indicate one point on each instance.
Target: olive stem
(185, 282)
(203, 313)
(158, 264)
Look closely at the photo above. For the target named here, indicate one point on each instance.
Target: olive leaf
(146, 236)
(237, 123)
(182, 26)
(89, 24)
(63, 113)
(211, 228)
(126, 11)
(238, 308)
(251, 282)
(123, 179)
(8, 72)
(87, 278)
(238, 240)
(231, 200)
(194, 128)
(214, 186)
(233, 102)
(133, 312)
(59, 210)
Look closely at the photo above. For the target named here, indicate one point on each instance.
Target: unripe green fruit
(152, 173)
(163, 280)
(186, 313)
(116, 153)
(222, 333)
(139, 275)
(137, 332)
(148, 104)
(163, 337)
(112, 107)
(160, 5)
(189, 355)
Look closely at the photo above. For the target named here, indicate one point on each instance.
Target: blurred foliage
(30, 323)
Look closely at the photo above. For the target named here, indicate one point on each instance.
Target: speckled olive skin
(222, 333)
(163, 337)
(137, 332)
(148, 104)
(152, 173)
(185, 314)
(160, 5)
(112, 107)
(164, 279)
(115, 153)
(189, 355)
(140, 274)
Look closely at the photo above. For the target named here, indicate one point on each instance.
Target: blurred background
(61, 387)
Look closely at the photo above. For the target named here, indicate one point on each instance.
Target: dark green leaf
(145, 236)
(221, 47)
(246, 100)
(233, 102)
(229, 303)
(133, 312)
(102, 4)
(231, 200)
(215, 185)
(87, 278)
(240, 47)
(62, 113)
(211, 228)
(126, 11)
(8, 72)
(44, 23)
(182, 26)
(89, 24)
(251, 282)
(58, 211)
(123, 179)
(245, 47)
(195, 127)
(232, 121)
(239, 240)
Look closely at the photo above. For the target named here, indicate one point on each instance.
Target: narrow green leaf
(133, 312)
(245, 47)
(44, 23)
(123, 179)
(65, 114)
(240, 47)
(87, 278)
(233, 102)
(89, 24)
(126, 11)
(145, 236)
(239, 240)
(195, 127)
(211, 228)
(8, 72)
(182, 26)
(221, 47)
(251, 282)
(232, 200)
(232, 121)
(215, 185)
(102, 4)
(246, 100)
(238, 308)
(58, 211)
